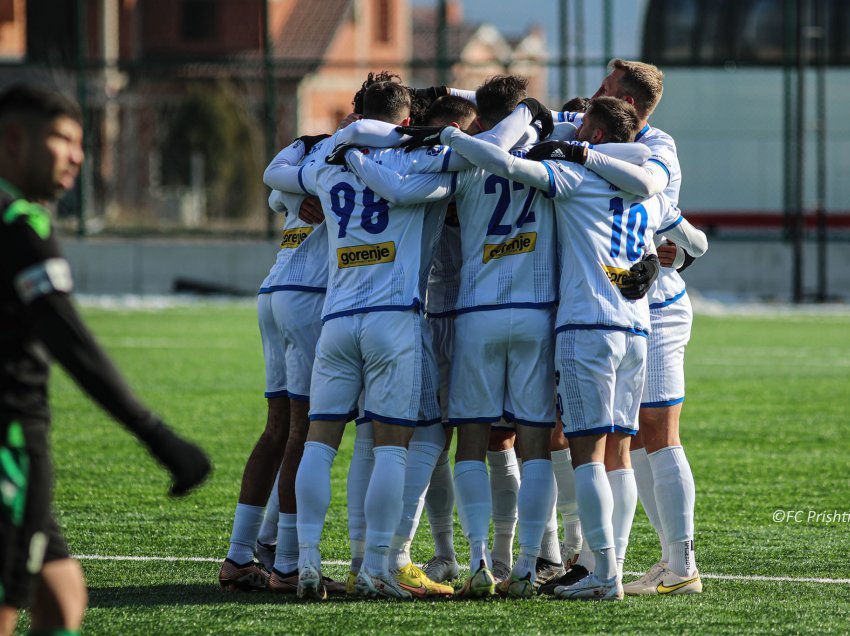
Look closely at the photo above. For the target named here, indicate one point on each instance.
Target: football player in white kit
(663, 475)
(601, 341)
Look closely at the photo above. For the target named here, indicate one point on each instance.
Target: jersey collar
(642, 132)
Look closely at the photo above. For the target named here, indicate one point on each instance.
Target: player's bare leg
(60, 597)
(504, 486)
(238, 570)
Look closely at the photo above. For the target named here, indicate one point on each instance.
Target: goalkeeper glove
(642, 275)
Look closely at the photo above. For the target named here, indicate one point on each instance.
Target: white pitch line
(719, 577)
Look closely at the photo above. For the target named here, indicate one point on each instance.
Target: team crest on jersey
(520, 244)
(616, 275)
(359, 255)
(293, 238)
(435, 150)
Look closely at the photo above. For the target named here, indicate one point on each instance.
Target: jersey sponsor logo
(520, 244)
(293, 238)
(616, 275)
(359, 255)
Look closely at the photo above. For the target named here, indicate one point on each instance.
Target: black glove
(541, 117)
(188, 464)
(430, 95)
(421, 136)
(688, 260)
(643, 274)
(337, 155)
(310, 140)
(558, 150)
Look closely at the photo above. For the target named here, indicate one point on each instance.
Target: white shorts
(503, 367)
(599, 375)
(379, 352)
(298, 315)
(665, 357)
(274, 352)
(429, 405)
(443, 337)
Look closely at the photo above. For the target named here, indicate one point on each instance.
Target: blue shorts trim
(300, 398)
(466, 310)
(456, 421)
(510, 417)
(602, 430)
(366, 310)
(300, 288)
(502, 429)
(389, 420)
(361, 420)
(661, 405)
(451, 313)
(577, 327)
(431, 422)
(331, 417)
(669, 301)
(277, 394)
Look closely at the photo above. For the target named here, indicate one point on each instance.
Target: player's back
(507, 244)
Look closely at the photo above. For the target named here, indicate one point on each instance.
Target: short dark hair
(38, 103)
(450, 108)
(576, 105)
(372, 78)
(498, 96)
(386, 101)
(617, 118)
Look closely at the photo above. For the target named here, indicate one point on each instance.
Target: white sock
(624, 492)
(383, 506)
(596, 508)
(585, 555)
(550, 546)
(313, 493)
(421, 457)
(246, 525)
(504, 487)
(286, 553)
(359, 474)
(675, 495)
(268, 531)
(566, 504)
(474, 506)
(646, 493)
(535, 502)
(440, 504)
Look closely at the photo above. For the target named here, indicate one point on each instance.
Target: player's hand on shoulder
(336, 157)
(311, 210)
(541, 117)
(642, 274)
(431, 94)
(421, 136)
(310, 140)
(571, 151)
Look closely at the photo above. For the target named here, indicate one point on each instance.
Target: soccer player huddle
(500, 272)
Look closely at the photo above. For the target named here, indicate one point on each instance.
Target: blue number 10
(635, 228)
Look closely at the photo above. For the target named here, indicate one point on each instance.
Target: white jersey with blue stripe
(507, 244)
(375, 247)
(602, 232)
(301, 263)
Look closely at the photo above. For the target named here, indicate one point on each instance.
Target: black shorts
(29, 534)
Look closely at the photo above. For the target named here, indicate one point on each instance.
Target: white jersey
(375, 247)
(507, 243)
(602, 232)
(444, 276)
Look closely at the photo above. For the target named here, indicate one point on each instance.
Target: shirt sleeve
(645, 180)
(400, 189)
(370, 132)
(282, 173)
(678, 229)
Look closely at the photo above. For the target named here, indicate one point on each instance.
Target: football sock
(421, 457)
(596, 508)
(268, 531)
(566, 504)
(535, 502)
(624, 493)
(286, 553)
(675, 496)
(550, 546)
(313, 492)
(383, 506)
(440, 504)
(646, 493)
(585, 555)
(472, 488)
(359, 474)
(504, 486)
(246, 525)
